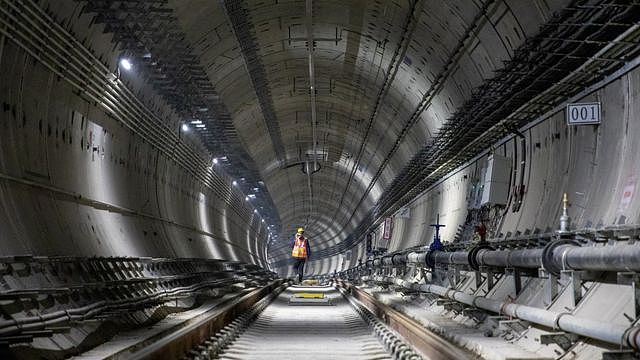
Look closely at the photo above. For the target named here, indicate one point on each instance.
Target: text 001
(583, 114)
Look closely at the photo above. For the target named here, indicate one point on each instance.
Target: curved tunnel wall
(453, 49)
(77, 178)
(389, 59)
(597, 166)
(129, 197)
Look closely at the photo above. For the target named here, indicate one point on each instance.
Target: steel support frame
(627, 336)
(632, 279)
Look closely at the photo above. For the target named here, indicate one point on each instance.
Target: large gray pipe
(605, 258)
(525, 258)
(611, 333)
(625, 257)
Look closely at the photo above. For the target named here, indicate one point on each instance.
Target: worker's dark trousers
(298, 266)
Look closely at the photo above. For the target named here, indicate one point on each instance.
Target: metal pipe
(416, 258)
(619, 257)
(600, 258)
(523, 258)
(608, 332)
(312, 94)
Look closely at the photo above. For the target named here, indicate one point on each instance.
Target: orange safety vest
(299, 248)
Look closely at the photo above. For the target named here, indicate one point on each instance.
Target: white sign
(404, 213)
(388, 224)
(583, 114)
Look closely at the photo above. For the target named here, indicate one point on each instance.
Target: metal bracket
(575, 280)
(514, 325)
(441, 302)
(477, 314)
(450, 305)
(550, 287)
(562, 339)
(453, 273)
(632, 279)
(517, 280)
(491, 277)
(494, 321)
(479, 279)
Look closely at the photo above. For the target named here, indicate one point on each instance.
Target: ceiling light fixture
(126, 64)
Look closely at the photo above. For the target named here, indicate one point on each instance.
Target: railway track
(323, 322)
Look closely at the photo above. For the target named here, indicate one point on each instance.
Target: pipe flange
(547, 255)
(472, 258)
(631, 338)
(396, 259)
(427, 259)
(556, 320)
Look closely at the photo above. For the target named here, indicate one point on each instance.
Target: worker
(300, 252)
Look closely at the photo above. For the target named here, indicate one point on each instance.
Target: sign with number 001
(583, 114)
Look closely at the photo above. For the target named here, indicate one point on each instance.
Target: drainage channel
(319, 322)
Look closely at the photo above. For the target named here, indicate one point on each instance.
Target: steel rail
(255, 335)
(414, 333)
(174, 343)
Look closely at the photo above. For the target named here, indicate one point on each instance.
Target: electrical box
(496, 180)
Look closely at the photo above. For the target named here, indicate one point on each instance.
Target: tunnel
(275, 179)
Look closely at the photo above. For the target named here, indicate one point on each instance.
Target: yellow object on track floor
(310, 295)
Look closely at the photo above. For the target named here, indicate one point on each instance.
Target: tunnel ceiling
(401, 91)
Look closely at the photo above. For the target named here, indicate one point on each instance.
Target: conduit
(15, 326)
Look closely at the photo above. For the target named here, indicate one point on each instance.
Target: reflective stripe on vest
(300, 248)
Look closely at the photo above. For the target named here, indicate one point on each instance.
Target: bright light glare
(246, 198)
(215, 160)
(185, 127)
(126, 64)
(235, 183)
